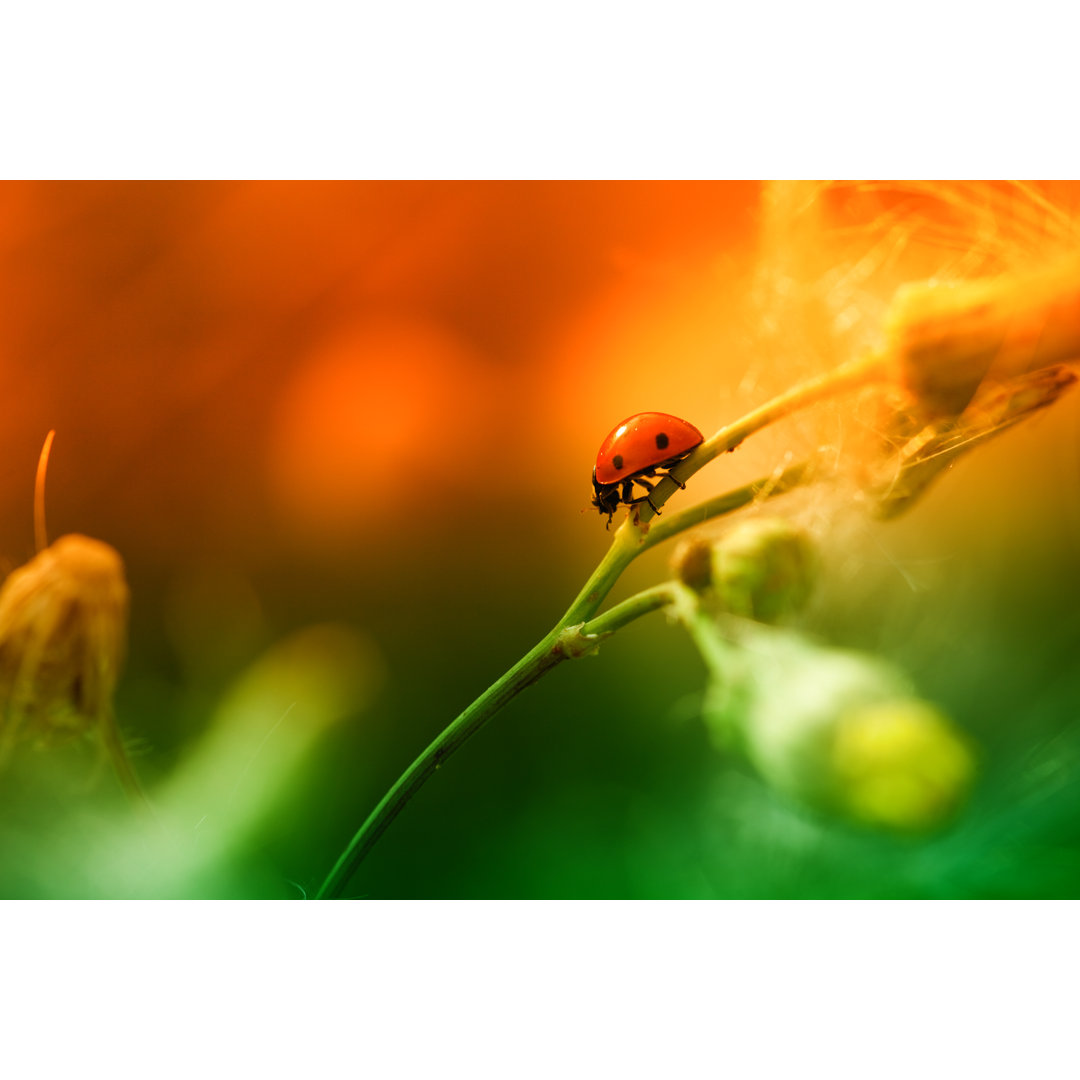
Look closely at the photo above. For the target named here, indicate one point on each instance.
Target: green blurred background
(376, 406)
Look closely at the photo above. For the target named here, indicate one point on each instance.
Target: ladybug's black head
(605, 497)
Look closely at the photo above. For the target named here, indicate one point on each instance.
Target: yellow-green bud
(839, 731)
(763, 569)
(900, 764)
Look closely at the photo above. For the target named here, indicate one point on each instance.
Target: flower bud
(763, 569)
(692, 563)
(900, 764)
(839, 731)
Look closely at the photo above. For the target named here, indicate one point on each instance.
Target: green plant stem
(526, 671)
(872, 368)
(768, 487)
(574, 635)
(618, 616)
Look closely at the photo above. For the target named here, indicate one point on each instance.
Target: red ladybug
(641, 446)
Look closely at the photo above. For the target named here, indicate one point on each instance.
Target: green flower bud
(763, 569)
(837, 730)
(900, 764)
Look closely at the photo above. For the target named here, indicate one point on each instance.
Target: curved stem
(563, 643)
(41, 536)
(874, 367)
(572, 636)
(768, 487)
(526, 671)
(618, 616)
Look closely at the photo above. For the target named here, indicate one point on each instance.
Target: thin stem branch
(618, 616)
(41, 536)
(768, 487)
(874, 367)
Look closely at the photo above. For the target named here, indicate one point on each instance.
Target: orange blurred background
(377, 402)
(340, 395)
(243, 367)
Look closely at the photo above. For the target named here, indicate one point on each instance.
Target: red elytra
(641, 446)
(643, 442)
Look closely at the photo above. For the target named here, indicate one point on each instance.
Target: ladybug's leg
(661, 471)
(647, 497)
(661, 475)
(667, 466)
(628, 493)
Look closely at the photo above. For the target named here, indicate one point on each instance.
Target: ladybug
(641, 446)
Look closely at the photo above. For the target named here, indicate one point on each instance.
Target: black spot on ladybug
(661, 441)
(617, 461)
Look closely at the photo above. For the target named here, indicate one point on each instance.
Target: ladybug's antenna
(40, 536)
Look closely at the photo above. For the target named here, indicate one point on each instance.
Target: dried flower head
(894, 483)
(63, 625)
(954, 339)
(973, 359)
